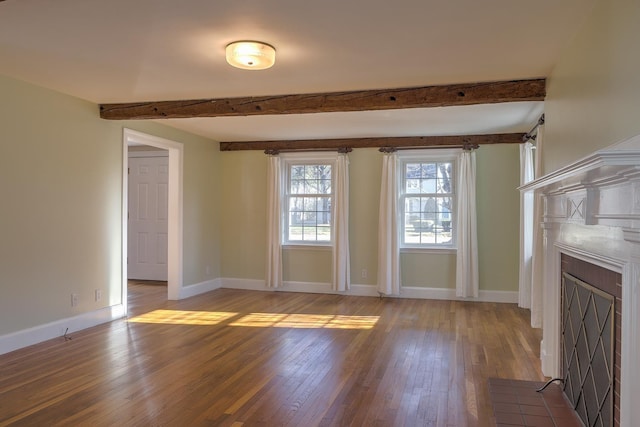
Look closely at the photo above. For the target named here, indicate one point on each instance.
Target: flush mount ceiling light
(251, 55)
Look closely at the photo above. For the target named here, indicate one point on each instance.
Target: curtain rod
(341, 150)
(529, 135)
(344, 150)
(432, 147)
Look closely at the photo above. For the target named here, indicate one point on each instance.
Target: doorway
(174, 209)
(148, 172)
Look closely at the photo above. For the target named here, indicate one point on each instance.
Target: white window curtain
(274, 224)
(388, 246)
(526, 226)
(341, 268)
(537, 253)
(467, 281)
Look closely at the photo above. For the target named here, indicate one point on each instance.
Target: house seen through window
(426, 203)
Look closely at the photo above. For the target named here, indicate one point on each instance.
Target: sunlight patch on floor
(180, 317)
(258, 320)
(308, 321)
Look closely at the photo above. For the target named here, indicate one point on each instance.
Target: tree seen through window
(310, 196)
(428, 197)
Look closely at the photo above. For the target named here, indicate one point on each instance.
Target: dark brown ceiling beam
(404, 141)
(365, 100)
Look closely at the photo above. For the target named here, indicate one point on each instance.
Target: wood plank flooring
(241, 358)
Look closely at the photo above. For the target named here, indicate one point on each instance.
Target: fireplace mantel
(592, 212)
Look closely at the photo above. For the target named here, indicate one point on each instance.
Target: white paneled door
(148, 209)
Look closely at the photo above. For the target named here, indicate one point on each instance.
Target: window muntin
(426, 202)
(309, 201)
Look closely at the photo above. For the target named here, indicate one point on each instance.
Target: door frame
(175, 215)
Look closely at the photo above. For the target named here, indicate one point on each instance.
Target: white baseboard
(509, 297)
(290, 286)
(450, 295)
(199, 288)
(370, 290)
(246, 284)
(27, 337)
(37, 334)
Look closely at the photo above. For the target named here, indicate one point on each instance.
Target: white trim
(449, 294)
(547, 360)
(370, 291)
(161, 153)
(307, 247)
(426, 156)
(630, 351)
(200, 288)
(614, 264)
(433, 250)
(309, 287)
(57, 329)
(124, 289)
(431, 155)
(175, 216)
(245, 284)
(305, 158)
(626, 153)
(311, 156)
(550, 344)
(508, 297)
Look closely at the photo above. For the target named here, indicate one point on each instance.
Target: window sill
(314, 247)
(430, 250)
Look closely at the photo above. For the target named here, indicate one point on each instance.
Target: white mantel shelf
(616, 161)
(592, 212)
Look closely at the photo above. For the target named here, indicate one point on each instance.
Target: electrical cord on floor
(541, 389)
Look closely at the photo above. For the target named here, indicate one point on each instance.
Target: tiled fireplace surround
(592, 213)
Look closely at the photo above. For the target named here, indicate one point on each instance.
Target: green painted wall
(365, 174)
(498, 205)
(60, 214)
(593, 94)
(243, 214)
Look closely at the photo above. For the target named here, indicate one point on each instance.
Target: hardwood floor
(242, 358)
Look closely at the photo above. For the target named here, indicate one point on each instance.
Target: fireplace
(591, 236)
(590, 340)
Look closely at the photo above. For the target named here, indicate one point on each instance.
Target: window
(427, 201)
(308, 201)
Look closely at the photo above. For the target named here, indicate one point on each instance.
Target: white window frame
(427, 156)
(289, 159)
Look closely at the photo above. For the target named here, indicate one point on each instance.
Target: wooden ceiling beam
(364, 100)
(398, 142)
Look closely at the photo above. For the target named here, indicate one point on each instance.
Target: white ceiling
(145, 50)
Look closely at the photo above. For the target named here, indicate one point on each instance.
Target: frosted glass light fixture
(251, 55)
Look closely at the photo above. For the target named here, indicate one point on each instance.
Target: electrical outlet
(98, 294)
(74, 300)
(364, 273)
(207, 271)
